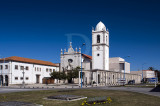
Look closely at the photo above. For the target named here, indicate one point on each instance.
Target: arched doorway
(6, 80)
(1, 79)
(98, 78)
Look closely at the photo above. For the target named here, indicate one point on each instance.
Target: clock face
(70, 60)
(98, 47)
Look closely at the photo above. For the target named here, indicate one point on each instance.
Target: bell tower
(100, 47)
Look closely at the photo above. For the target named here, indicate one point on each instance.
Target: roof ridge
(29, 60)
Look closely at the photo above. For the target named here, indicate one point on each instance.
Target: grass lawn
(119, 98)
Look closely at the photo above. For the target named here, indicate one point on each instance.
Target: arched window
(98, 38)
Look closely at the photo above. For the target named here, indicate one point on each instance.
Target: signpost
(153, 80)
(122, 81)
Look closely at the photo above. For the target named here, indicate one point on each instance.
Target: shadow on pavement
(156, 89)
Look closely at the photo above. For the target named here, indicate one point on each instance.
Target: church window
(98, 38)
(70, 60)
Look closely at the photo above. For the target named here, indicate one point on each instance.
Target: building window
(1, 67)
(54, 69)
(16, 78)
(98, 38)
(46, 69)
(50, 70)
(40, 69)
(22, 67)
(35, 68)
(16, 67)
(121, 66)
(98, 54)
(27, 68)
(6, 66)
(21, 78)
(27, 78)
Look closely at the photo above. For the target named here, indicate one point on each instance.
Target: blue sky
(38, 29)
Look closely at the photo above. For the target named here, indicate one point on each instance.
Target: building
(118, 64)
(12, 68)
(146, 75)
(98, 69)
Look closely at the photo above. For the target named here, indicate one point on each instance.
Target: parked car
(131, 82)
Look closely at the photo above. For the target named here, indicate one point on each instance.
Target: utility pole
(81, 64)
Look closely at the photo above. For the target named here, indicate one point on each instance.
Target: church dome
(100, 27)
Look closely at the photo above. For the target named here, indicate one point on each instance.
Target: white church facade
(98, 69)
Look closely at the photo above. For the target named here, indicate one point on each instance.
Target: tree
(74, 73)
(63, 76)
(151, 68)
(55, 75)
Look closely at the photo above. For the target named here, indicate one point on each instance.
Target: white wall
(31, 73)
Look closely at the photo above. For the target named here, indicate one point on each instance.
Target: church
(98, 69)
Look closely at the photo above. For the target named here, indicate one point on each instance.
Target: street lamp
(81, 63)
(23, 83)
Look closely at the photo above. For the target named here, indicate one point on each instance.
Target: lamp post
(81, 63)
(124, 71)
(23, 83)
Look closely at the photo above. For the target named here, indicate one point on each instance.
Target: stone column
(97, 78)
(79, 80)
(105, 79)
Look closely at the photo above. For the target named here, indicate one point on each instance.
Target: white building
(147, 74)
(118, 64)
(98, 68)
(11, 70)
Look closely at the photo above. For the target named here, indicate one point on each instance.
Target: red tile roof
(87, 56)
(27, 60)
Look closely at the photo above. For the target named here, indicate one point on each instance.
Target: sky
(39, 29)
